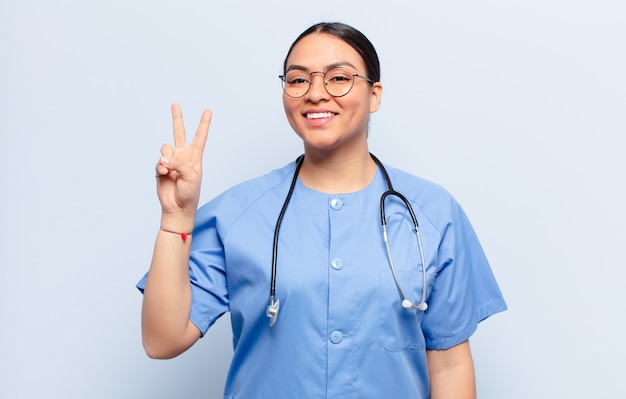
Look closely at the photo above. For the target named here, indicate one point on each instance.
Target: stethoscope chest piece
(272, 310)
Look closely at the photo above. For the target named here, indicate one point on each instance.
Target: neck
(334, 174)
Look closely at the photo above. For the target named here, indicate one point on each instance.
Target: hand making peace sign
(179, 170)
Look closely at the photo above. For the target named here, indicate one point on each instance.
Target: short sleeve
(465, 291)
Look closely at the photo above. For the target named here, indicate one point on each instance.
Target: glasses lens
(296, 83)
(339, 81)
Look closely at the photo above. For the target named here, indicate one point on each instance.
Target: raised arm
(166, 329)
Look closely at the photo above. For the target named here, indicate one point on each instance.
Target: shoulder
(434, 201)
(417, 189)
(235, 201)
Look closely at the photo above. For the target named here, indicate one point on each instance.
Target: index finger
(179, 126)
(203, 130)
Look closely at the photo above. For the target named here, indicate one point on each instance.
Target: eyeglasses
(337, 81)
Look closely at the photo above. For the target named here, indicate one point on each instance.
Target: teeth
(317, 115)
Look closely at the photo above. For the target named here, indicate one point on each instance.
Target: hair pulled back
(352, 37)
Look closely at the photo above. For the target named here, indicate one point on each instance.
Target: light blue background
(516, 107)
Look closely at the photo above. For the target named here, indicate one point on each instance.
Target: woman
(336, 323)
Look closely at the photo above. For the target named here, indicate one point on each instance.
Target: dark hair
(352, 37)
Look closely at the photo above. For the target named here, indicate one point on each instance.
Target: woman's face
(323, 122)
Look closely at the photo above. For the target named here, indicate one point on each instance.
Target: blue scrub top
(341, 331)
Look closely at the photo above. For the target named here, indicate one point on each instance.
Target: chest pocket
(400, 328)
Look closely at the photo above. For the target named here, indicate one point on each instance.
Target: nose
(317, 92)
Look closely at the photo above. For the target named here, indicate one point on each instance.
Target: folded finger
(167, 150)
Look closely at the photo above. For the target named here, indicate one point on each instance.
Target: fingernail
(165, 160)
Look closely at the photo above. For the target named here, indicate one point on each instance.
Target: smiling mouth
(319, 115)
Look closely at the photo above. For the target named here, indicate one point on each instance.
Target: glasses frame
(354, 75)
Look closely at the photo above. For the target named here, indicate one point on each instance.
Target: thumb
(173, 164)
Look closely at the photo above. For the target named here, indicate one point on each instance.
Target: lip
(319, 117)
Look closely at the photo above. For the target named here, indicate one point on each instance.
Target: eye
(338, 76)
(296, 79)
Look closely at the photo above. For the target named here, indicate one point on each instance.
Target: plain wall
(516, 107)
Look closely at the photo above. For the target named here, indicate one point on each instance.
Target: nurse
(341, 330)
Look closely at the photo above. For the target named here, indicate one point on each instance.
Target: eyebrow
(328, 67)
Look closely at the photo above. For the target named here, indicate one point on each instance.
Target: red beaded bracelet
(182, 235)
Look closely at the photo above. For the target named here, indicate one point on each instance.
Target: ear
(377, 93)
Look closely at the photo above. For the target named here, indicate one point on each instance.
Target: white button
(336, 203)
(337, 263)
(336, 337)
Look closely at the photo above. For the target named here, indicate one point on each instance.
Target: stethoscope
(274, 306)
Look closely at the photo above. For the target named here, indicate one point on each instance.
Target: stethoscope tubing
(274, 305)
(279, 223)
(405, 302)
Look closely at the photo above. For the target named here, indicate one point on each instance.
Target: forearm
(167, 295)
(166, 329)
(451, 373)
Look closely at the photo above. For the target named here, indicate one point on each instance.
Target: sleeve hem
(449, 341)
